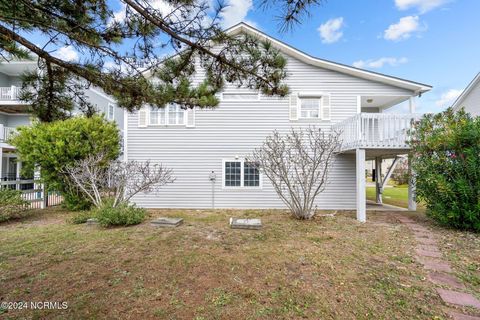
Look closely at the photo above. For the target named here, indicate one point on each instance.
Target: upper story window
(310, 108)
(169, 115)
(176, 115)
(239, 96)
(111, 111)
(240, 173)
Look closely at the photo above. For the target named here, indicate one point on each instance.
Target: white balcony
(6, 133)
(375, 131)
(9, 93)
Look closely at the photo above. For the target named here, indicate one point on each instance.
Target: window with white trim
(310, 108)
(233, 173)
(176, 115)
(251, 175)
(169, 115)
(240, 173)
(111, 111)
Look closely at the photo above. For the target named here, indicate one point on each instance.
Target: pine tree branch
(162, 25)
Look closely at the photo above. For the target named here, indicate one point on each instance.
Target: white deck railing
(9, 93)
(6, 133)
(375, 130)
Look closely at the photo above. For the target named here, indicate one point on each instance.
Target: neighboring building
(13, 112)
(195, 143)
(470, 98)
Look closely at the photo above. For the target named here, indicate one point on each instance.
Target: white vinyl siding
(471, 102)
(233, 129)
(239, 96)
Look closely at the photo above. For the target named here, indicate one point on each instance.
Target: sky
(436, 42)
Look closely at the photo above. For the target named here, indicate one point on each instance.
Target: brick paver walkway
(428, 254)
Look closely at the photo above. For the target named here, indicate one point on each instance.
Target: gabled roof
(330, 65)
(456, 105)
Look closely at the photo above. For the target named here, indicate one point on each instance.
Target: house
(207, 148)
(14, 112)
(470, 98)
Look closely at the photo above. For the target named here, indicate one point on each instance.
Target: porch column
(412, 204)
(1, 164)
(18, 176)
(412, 104)
(378, 180)
(361, 196)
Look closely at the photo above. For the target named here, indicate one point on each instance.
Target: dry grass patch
(329, 268)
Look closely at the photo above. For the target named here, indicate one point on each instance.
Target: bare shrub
(297, 165)
(100, 179)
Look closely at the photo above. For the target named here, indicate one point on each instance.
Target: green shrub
(12, 205)
(446, 162)
(56, 145)
(81, 217)
(121, 215)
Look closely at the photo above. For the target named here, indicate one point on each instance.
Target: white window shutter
(143, 117)
(294, 106)
(326, 107)
(190, 114)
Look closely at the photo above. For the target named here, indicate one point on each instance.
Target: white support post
(36, 177)
(1, 164)
(18, 176)
(412, 204)
(361, 196)
(378, 180)
(412, 104)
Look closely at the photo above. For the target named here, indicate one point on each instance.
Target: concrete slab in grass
(167, 222)
(92, 222)
(250, 224)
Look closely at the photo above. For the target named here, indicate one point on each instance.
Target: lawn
(395, 195)
(327, 268)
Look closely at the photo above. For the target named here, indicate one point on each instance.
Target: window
(251, 176)
(169, 115)
(176, 115)
(239, 96)
(157, 116)
(239, 173)
(309, 108)
(233, 174)
(111, 111)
